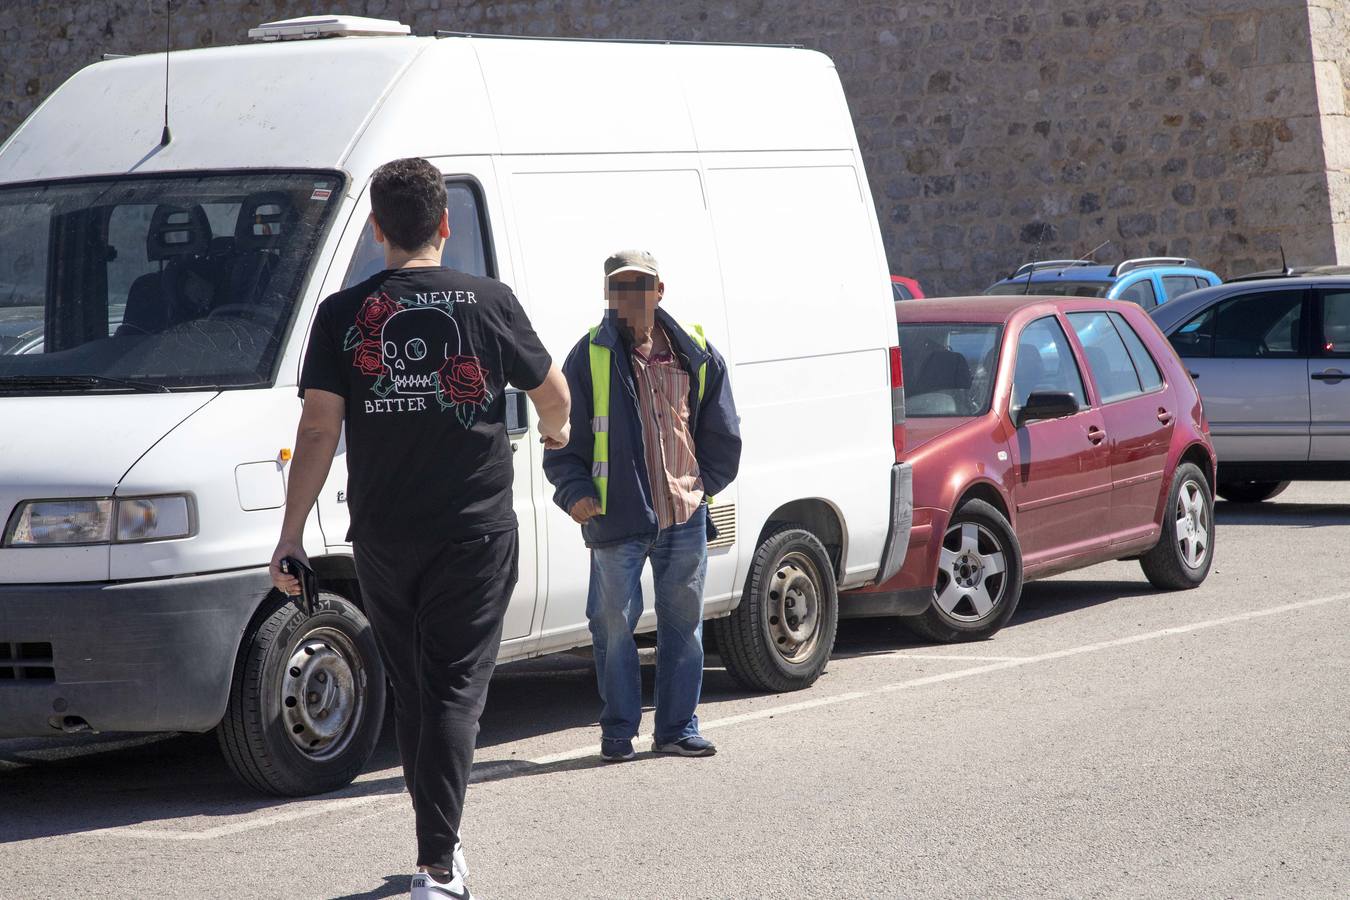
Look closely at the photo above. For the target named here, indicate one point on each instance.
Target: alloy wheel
(972, 572)
(1192, 525)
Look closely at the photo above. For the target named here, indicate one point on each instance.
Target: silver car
(1271, 357)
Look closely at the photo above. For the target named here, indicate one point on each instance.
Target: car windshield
(948, 369)
(167, 282)
(1057, 288)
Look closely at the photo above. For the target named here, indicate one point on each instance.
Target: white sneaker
(458, 861)
(425, 887)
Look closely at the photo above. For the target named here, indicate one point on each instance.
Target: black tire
(258, 734)
(964, 621)
(764, 644)
(1167, 564)
(1250, 491)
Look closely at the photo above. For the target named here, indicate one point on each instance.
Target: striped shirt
(668, 444)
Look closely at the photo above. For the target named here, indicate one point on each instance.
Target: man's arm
(717, 444)
(553, 401)
(569, 469)
(315, 442)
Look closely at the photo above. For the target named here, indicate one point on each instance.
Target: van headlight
(54, 523)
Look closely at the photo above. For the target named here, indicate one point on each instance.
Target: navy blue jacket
(713, 423)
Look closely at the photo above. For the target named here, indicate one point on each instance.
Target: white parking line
(321, 807)
(905, 654)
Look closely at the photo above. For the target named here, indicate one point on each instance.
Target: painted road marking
(484, 773)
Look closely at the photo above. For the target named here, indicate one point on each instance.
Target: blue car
(1148, 281)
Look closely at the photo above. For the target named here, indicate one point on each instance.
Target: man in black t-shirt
(415, 361)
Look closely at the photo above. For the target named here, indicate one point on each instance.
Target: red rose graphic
(463, 380)
(377, 308)
(369, 359)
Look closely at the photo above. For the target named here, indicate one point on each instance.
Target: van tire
(790, 567)
(996, 535)
(1165, 565)
(332, 659)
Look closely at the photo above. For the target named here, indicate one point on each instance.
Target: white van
(155, 300)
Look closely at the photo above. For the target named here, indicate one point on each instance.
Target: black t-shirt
(423, 357)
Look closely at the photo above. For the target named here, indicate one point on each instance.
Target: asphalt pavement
(1113, 741)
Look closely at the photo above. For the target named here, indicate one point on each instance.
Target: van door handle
(1164, 416)
(1096, 435)
(1332, 375)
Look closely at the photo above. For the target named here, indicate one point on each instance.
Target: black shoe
(694, 745)
(616, 750)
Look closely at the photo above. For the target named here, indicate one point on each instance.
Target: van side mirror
(1047, 405)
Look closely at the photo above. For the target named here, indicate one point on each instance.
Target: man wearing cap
(654, 435)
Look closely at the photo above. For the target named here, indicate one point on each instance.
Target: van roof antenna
(1284, 264)
(1035, 257)
(165, 137)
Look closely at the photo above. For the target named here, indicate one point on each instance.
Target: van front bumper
(122, 656)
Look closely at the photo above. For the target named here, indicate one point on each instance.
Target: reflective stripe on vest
(601, 365)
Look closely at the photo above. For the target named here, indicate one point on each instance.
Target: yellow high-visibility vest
(601, 365)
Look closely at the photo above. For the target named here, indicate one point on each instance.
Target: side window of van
(466, 250)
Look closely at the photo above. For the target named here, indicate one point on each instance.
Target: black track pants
(436, 609)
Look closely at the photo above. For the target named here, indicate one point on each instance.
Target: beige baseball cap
(632, 261)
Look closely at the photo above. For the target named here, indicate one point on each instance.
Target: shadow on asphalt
(55, 786)
(394, 886)
(1295, 515)
(1044, 599)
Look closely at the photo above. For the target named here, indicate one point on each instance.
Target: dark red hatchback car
(1046, 434)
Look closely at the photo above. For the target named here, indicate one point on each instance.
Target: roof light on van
(326, 26)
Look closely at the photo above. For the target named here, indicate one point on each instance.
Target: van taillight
(897, 404)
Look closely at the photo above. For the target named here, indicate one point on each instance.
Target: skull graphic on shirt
(415, 344)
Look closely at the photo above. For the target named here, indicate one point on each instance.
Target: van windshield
(948, 369)
(186, 281)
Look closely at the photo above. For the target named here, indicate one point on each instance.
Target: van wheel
(1250, 491)
(781, 635)
(979, 579)
(307, 701)
(1183, 555)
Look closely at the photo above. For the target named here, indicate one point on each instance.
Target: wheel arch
(820, 517)
(337, 573)
(1200, 456)
(989, 493)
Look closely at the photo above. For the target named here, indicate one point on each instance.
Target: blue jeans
(679, 557)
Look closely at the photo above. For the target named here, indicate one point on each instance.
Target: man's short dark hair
(407, 197)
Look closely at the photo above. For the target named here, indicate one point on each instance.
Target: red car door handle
(1164, 416)
(1096, 435)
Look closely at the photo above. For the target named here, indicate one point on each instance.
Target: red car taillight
(897, 404)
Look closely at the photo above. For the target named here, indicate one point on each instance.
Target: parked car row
(1146, 281)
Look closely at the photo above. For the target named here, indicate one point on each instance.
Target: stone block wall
(993, 130)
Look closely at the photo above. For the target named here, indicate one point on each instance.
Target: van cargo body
(162, 296)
